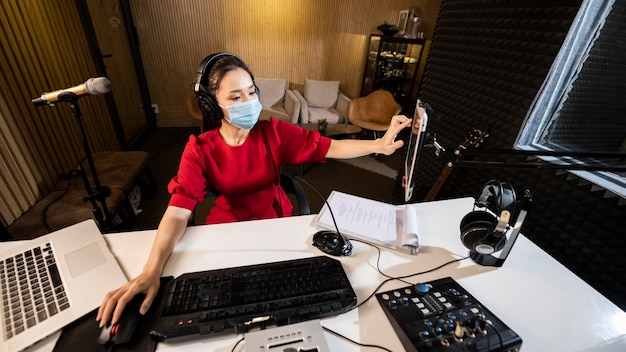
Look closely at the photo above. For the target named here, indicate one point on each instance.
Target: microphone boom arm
(452, 158)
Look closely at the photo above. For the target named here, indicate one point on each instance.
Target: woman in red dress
(238, 157)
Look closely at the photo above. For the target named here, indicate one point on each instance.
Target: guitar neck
(443, 176)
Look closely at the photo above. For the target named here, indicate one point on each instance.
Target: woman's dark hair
(213, 120)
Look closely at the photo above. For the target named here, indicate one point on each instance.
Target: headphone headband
(497, 196)
(205, 67)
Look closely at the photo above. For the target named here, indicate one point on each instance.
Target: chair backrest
(271, 91)
(293, 186)
(374, 111)
(192, 105)
(289, 184)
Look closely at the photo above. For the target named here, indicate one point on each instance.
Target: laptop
(51, 281)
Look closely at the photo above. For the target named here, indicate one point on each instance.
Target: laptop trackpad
(85, 259)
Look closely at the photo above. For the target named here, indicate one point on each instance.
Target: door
(113, 44)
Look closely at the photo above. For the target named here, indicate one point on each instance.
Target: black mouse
(333, 243)
(122, 331)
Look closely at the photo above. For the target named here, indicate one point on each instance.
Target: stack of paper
(391, 226)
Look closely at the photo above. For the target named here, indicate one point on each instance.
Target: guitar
(474, 139)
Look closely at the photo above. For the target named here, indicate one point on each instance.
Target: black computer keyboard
(236, 299)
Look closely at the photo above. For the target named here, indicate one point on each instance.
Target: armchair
(277, 100)
(322, 100)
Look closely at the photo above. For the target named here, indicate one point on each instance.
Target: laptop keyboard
(32, 290)
(236, 299)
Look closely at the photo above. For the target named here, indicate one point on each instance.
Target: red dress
(243, 175)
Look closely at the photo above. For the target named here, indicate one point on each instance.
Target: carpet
(363, 180)
(374, 164)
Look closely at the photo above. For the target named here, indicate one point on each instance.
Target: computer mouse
(122, 331)
(333, 243)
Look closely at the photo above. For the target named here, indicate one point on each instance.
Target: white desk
(543, 302)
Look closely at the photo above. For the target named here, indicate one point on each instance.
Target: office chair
(290, 186)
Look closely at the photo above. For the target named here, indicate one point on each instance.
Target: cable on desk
(355, 342)
(378, 261)
(404, 277)
(237, 344)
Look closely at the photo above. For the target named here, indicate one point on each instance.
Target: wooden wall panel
(42, 49)
(292, 39)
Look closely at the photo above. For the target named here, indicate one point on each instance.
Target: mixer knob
(421, 288)
(393, 304)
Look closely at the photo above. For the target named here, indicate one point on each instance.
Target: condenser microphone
(330, 242)
(93, 86)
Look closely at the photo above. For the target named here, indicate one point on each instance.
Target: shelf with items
(392, 64)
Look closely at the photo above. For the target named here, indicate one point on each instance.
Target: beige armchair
(322, 100)
(277, 100)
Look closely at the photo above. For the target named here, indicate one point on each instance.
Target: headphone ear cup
(208, 105)
(475, 226)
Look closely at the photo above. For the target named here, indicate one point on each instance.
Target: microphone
(93, 86)
(330, 242)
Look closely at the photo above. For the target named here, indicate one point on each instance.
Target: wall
(292, 39)
(44, 49)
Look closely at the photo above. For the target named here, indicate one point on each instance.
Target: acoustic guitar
(474, 139)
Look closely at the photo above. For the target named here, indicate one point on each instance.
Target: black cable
(378, 260)
(404, 277)
(164, 145)
(237, 343)
(489, 324)
(355, 342)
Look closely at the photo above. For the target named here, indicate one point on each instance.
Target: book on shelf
(371, 221)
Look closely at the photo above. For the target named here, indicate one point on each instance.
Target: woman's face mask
(244, 115)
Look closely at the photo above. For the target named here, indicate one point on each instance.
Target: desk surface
(542, 301)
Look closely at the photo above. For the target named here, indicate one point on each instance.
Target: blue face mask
(244, 115)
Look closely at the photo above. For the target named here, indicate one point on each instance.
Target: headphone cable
(399, 278)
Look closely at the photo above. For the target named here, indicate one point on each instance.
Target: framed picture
(402, 19)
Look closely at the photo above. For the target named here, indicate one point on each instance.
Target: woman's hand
(115, 301)
(388, 142)
(350, 148)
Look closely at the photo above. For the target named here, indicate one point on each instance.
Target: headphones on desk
(207, 101)
(484, 231)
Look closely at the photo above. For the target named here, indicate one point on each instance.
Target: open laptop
(69, 271)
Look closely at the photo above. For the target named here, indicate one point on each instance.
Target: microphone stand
(99, 193)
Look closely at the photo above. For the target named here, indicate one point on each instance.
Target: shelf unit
(392, 64)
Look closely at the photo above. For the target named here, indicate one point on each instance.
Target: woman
(240, 158)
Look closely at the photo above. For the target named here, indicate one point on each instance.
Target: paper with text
(393, 226)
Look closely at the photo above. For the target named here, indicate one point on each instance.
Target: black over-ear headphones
(207, 101)
(485, 231)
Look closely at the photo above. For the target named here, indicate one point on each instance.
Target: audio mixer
(442, 316)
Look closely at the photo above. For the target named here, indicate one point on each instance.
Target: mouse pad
(85, 331)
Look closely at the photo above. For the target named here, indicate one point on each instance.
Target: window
(582, 104)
